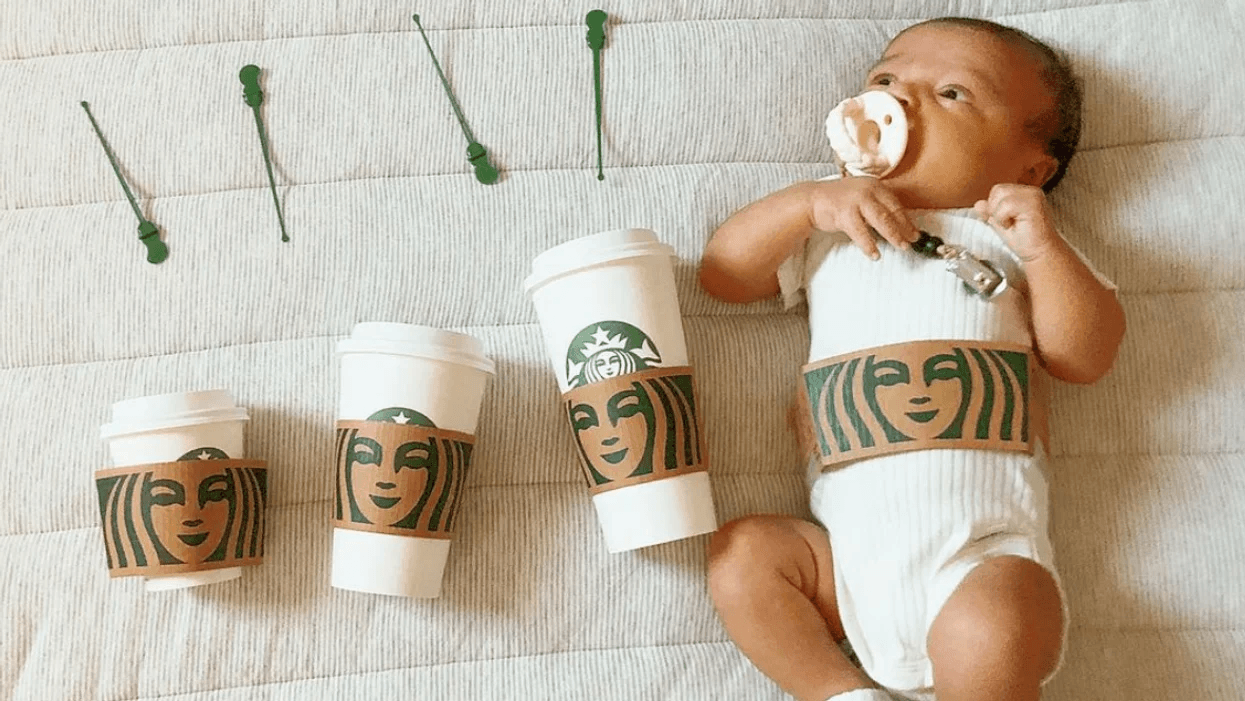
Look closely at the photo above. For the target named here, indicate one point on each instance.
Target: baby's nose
(903, 93)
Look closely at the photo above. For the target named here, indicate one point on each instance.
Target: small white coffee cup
(171, 427)
(411, 376)
(609, 309)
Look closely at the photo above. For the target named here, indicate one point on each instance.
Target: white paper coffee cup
(608, 308)
(166, 428)
(416, 376)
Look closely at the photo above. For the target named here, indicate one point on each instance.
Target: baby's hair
(1059, 127)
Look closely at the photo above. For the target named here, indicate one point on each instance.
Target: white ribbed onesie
(905, 529)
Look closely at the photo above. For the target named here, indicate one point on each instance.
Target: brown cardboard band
(922, 395)
(185, 516)
(400, 479)
(800, 421)
(637, 428)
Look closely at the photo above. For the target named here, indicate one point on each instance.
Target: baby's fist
(1022, 218)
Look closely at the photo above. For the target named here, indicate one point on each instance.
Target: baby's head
(986, 104)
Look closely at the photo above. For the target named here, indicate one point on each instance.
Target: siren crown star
(602, 340)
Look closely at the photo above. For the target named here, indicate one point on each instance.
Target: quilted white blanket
(707, 106)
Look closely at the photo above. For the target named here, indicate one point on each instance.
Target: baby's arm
(742, 258)
(1078, 323)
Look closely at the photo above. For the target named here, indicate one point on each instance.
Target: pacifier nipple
(868, 133)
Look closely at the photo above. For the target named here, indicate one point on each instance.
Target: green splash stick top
(148, 234)
(596, 39)
(476, 154)
(253, 96)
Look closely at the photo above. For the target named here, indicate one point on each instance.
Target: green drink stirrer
(249, 75)
(148, 234)
(596, 39)
(476, 155)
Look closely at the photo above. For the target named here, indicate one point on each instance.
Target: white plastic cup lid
(592, 250)
(158, 412)
(416, 341)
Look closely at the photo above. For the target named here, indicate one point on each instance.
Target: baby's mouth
(911, 150)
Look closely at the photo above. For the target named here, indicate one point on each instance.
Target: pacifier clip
(979, 277)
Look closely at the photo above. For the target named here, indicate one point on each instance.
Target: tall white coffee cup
(172, 427)
(609, 313)
(398, 494)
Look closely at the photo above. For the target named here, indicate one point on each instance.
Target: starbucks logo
(399, 415)
(637, 429)
(919, 395)
(202, 512)
(607, 350)
(207, 453)
(398, 473)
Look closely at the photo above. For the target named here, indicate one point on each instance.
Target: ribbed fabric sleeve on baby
(896, 520)
(856, 303)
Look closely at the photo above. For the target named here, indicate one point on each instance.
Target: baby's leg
(773, 586)
(999, 635)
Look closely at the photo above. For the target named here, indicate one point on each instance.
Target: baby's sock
(863, 695)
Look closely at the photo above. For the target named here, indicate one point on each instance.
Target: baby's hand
(1022, 218)
(861, 207)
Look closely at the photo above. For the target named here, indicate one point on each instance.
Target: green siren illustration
(637, 430)
(920, 395)
(399, 474)
(205, 454)
(607, 350)
(184, 516)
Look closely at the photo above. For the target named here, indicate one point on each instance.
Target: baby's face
(967, 96)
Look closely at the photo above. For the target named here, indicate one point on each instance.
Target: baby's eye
(884, 79)
(952, 93)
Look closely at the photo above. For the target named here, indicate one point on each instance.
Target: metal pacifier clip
(869, 134)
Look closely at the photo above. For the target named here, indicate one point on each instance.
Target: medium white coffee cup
(174, 427)
(410, 400)
(609, 313)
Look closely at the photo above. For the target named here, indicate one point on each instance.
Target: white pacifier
(868, 133)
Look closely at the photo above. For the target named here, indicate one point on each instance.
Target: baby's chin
(917, 192)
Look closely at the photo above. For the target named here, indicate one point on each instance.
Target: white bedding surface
(708, 106)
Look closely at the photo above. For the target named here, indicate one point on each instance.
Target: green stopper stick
(476, 154)
(253, 96)
(148, 234)
(596, 39)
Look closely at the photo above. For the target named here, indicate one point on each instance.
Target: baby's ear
(1040, 170)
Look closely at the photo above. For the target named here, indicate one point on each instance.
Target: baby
(935, 563)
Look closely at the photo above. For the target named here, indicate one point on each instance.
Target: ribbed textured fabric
(905, 531)
(387, 224)
(906, 528)
(856, 303)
